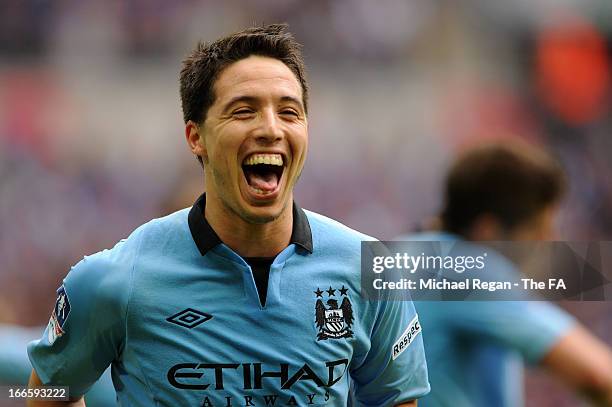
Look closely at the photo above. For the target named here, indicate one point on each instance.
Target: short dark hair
(512, 181)
(204, 64)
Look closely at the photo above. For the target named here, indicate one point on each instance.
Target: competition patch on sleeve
(59, 315)
(414, 328)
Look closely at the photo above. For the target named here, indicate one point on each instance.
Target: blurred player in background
(505, 191)
(245, 298)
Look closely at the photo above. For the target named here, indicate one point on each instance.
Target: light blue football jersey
(177, 314)
(475, 349)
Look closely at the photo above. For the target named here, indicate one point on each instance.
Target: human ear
(195, 140)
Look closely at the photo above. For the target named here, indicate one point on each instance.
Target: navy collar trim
(206, 238)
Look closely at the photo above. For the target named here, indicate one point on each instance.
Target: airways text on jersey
(209, 377)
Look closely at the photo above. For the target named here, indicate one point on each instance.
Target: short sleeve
(394, 370)
(530, 327)
(87, 326)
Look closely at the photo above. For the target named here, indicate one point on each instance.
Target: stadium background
(91, 135)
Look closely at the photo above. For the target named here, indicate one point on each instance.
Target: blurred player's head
(503, 191)
(244, 104)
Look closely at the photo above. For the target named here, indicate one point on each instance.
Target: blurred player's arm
(36, 382)
(583, 362)
(412, 403)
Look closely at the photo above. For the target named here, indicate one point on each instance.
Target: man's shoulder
(125, 252)
(330, 231)
(174, 222)
(109, 272)
(158, 230)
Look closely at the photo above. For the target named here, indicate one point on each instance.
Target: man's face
(254, 139)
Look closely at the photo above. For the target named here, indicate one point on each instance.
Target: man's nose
(269, 130)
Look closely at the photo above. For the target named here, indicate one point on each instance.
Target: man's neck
(250, 239)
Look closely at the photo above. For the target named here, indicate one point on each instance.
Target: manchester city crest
(333, 321)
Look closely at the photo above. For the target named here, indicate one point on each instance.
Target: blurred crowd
(91, 135)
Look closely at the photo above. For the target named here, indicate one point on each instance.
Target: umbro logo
(189, 318)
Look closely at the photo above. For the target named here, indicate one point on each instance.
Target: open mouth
(263, 172)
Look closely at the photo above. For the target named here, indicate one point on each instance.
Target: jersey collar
(206, 238)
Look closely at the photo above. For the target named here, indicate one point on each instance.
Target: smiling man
(245, 298)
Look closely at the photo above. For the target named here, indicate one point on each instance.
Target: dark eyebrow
(252, 100)
(293, 100)
(236, 99)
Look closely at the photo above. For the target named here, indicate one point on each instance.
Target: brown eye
(289, 113)
(243, 113)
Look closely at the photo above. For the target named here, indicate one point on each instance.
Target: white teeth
(261, 191)
(272, 159)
